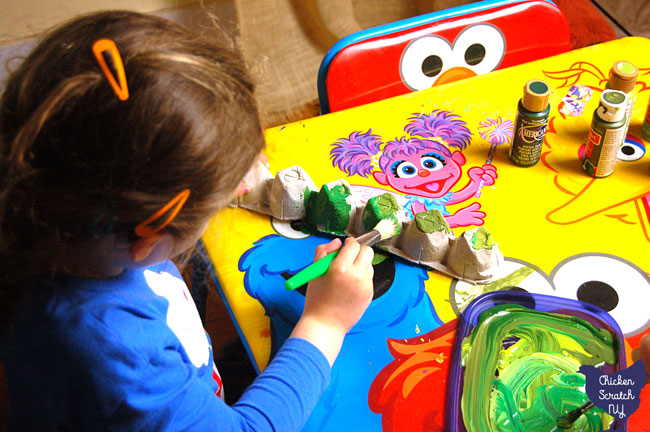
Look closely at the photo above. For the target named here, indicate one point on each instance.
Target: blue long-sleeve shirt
(130, 353)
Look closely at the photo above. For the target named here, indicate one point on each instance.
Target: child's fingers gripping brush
(386, 228)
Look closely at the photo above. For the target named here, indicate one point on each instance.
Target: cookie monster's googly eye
(609, 282)
(513, 275)
(404, 169)
(631, 150)
(289, 229)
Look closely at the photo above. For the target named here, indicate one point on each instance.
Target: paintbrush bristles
(386, 228)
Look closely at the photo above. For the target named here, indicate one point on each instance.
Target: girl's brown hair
(76, 162)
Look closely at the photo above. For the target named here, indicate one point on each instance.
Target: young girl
(120, 136)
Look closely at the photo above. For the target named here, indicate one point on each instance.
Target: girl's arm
(338, 299)
(284, 395)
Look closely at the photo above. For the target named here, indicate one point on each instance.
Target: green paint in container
(605, 135)
(530, 124)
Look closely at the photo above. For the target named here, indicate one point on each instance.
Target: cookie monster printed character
(400, 309)
(420, 165)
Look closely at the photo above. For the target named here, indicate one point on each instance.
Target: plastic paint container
(530, 125)
(539, 302)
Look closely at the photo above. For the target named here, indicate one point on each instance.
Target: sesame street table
(580, 237)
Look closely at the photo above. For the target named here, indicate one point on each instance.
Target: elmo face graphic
(438, 48)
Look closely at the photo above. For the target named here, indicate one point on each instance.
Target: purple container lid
(544, 303)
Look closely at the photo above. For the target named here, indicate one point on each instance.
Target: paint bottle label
(628, 113)
(526, 147)
(530, 125)
(601, 150)
(646, 123)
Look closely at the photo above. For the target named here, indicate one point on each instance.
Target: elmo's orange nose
(423, 173)
(454, 74)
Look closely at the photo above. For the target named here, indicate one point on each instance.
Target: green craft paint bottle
(530, 125)
(605, 135)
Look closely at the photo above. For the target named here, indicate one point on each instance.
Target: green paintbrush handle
(311, 272)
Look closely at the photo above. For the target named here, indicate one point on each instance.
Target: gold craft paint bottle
(530, 125)
(607, 128)
(623, 77)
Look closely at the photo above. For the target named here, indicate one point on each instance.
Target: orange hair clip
(101, 46)
(145, 228)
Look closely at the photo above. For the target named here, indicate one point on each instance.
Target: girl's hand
(338, 299)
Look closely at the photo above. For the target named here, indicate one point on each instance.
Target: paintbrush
(567, 420)
(386, 228)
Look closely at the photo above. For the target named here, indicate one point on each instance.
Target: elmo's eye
(288, 229)
(482, 47)
(404, 169)
(631, 150)
(423, 60)
(474, 54)
(432, 65)
(432, 161)
(478, 49)
(609, 282)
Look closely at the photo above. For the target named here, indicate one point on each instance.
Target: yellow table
(585, 238)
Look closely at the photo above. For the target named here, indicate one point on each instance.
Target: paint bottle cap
(623, 76)
(536, 95)
(612, 105)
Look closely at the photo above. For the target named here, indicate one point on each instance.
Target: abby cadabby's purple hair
(441, 124)
(407, 147)
(354, 155)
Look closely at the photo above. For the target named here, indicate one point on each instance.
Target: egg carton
(426, 240)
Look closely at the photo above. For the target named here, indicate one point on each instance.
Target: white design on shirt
(182, 317)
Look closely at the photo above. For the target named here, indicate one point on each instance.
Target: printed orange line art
(549, 215)
(545, 162)
(572, 75)
(642, 84)
(560, 187)
(642, 210)
(621, 218)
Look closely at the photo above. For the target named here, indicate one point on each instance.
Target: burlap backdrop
(284, 41)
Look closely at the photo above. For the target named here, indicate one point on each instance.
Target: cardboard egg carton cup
(426, 240)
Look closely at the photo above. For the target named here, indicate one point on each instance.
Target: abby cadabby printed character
(420, 165)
